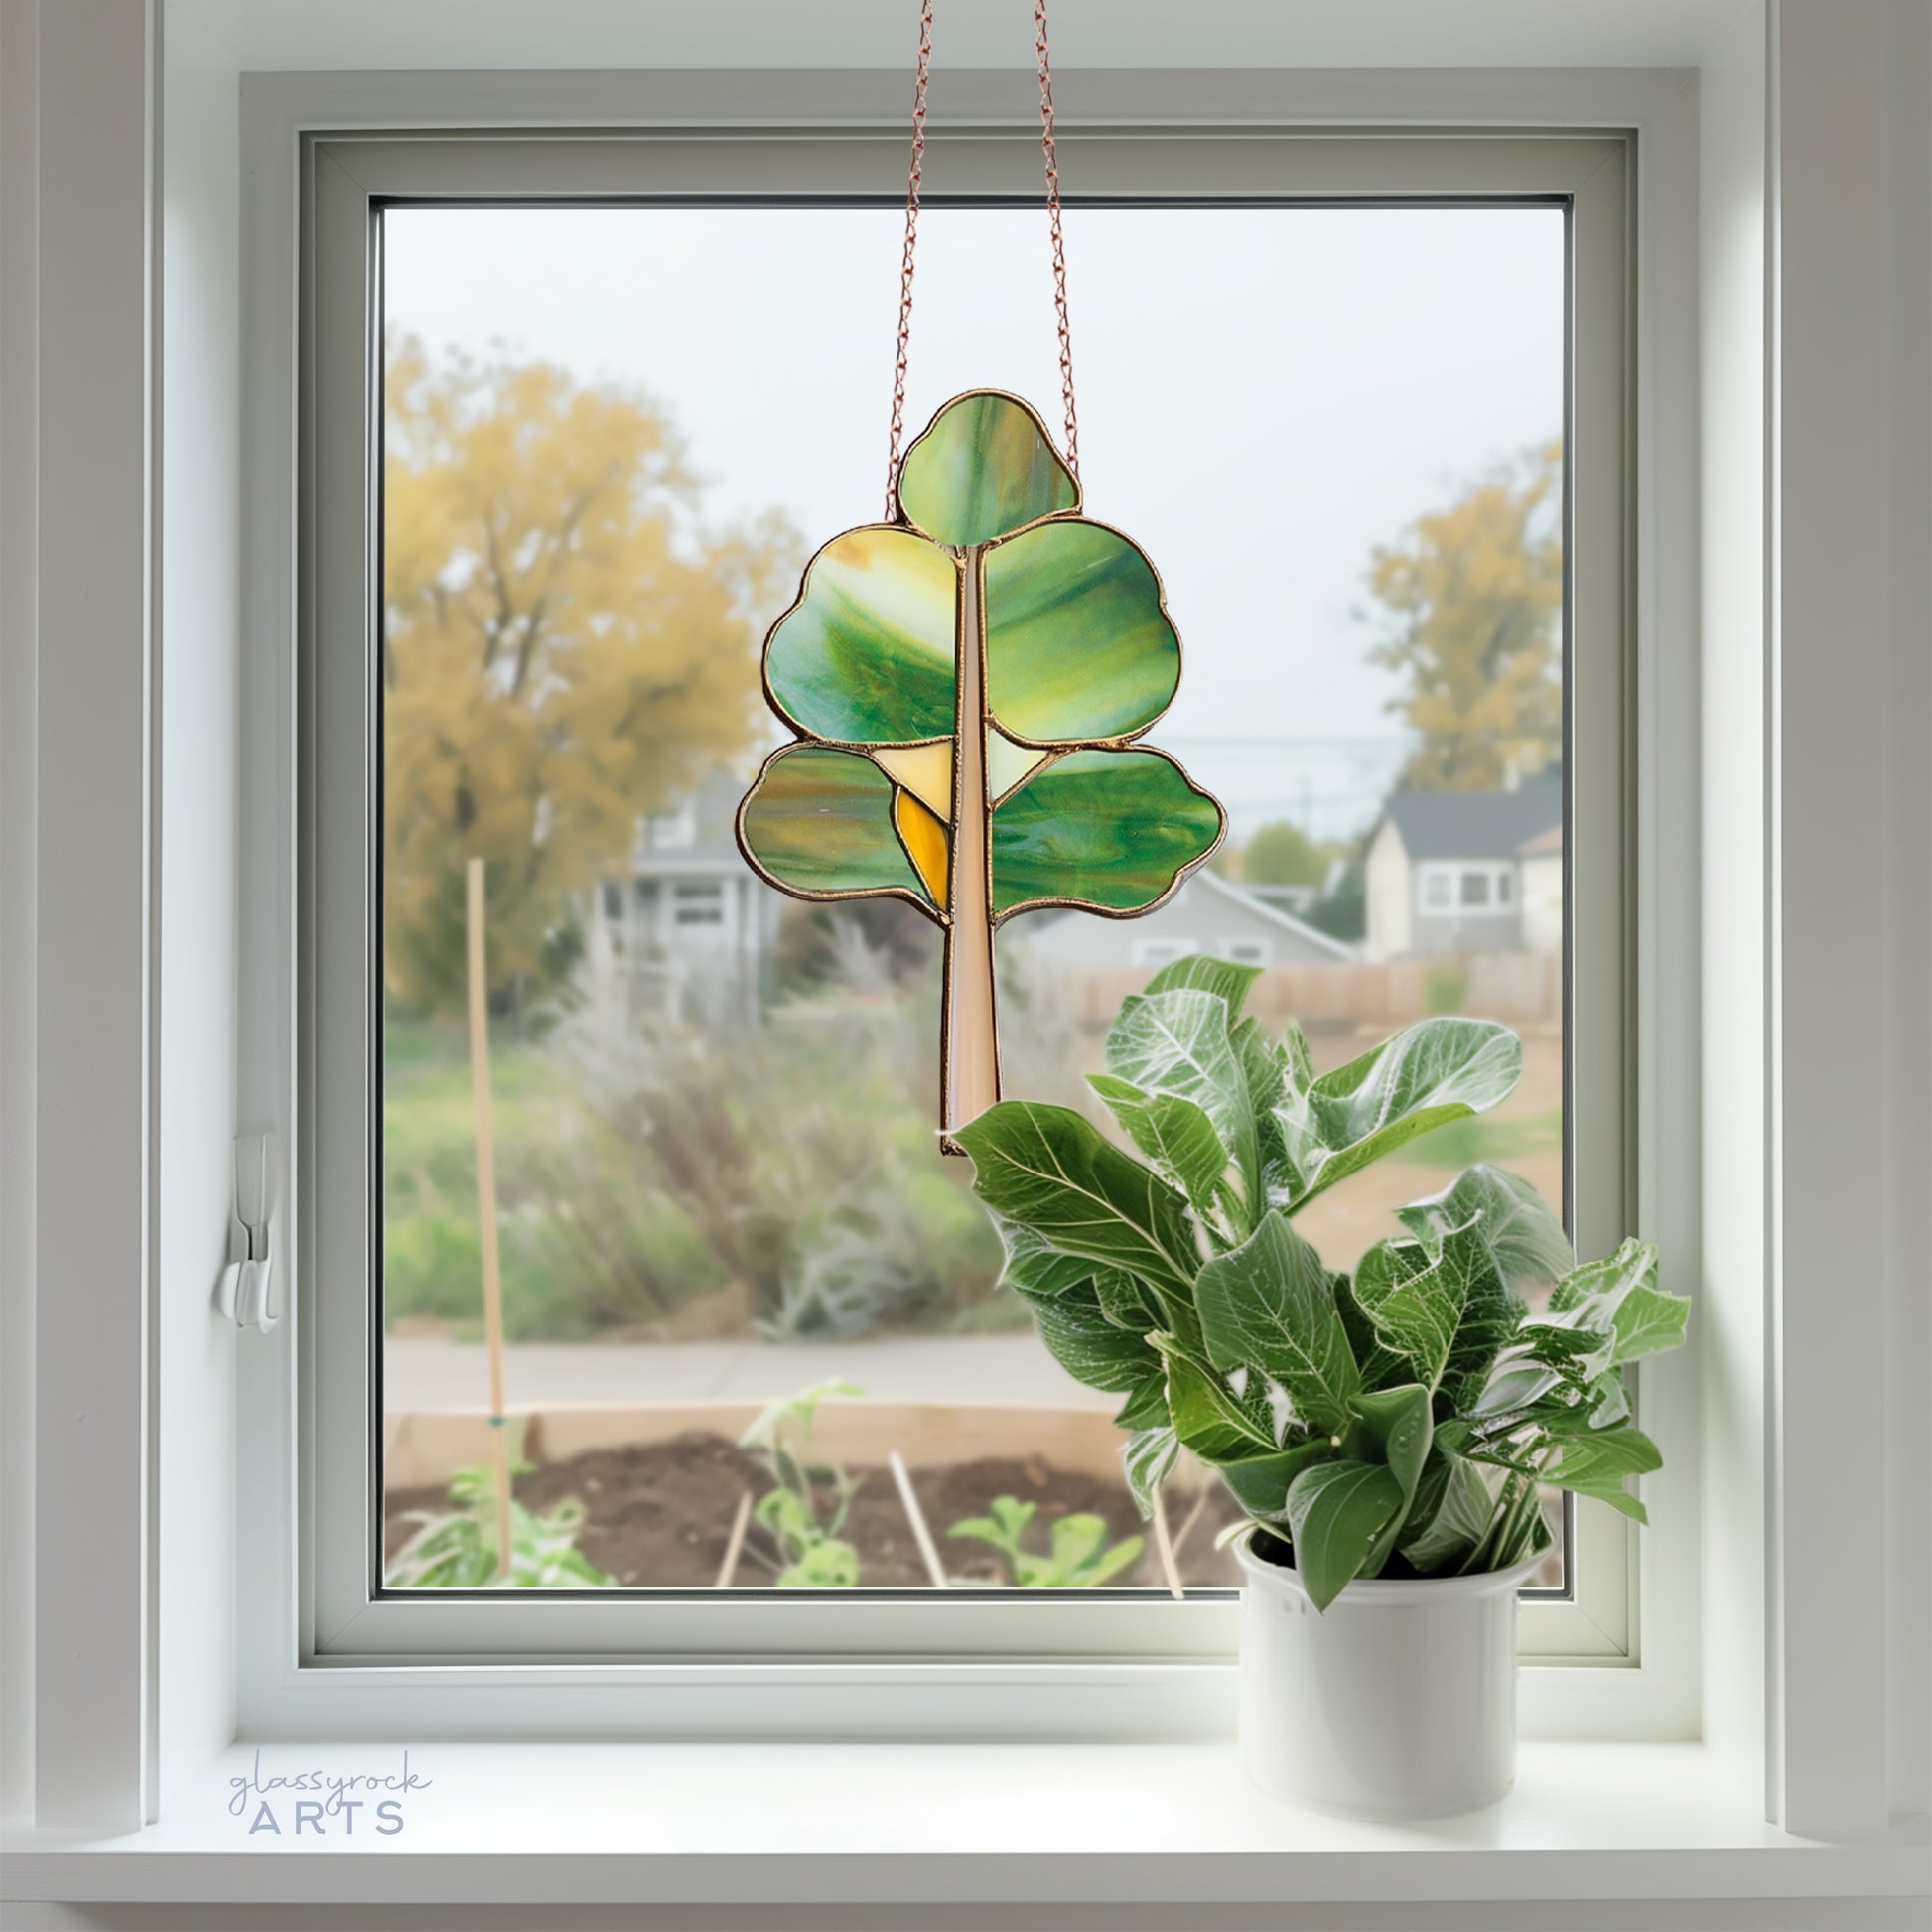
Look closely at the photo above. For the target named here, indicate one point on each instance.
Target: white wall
(1731, 218)
(19, 542)
(1388, 883)
(1540, 881)
(1906, 613)
(200, 643)
(1850, 628)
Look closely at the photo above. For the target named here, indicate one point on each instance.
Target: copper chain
(911, 242)
(1059, 241)
(912, 237)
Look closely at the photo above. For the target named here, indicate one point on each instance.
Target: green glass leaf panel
(1077, 642)
(820, 821)
(866, 656)
(1107, 829)
(982, 467)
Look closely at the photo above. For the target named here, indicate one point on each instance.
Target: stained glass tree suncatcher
(966, 684)
(967, 681)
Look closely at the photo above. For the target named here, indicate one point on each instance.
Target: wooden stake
(734, 1543)
(1164, 1543)
(916, 1516)
(493, 1276)
(1187, 1523)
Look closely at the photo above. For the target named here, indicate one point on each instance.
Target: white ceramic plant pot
(1397, 1702)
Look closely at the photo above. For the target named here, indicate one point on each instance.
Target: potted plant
(1388, 1436)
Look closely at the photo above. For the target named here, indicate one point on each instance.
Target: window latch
(245, 1294)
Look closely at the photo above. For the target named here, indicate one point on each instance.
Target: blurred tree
(564, 648)
(1279, 855)
(1478, 587)
(1344, 914)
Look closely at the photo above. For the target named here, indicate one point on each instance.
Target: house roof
(1549, 841)
(1212, 881)
(1474, 824)
(1208, 909)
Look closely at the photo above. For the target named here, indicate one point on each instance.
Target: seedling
(811, 1552)
(457, 1548)
(1079, 1556)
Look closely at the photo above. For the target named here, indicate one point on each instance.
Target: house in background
(1209, 914)
(1466, 872)
(692, 925)
(1539, 866)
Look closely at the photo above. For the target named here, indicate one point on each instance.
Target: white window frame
(1781, 239)
(346, 1621)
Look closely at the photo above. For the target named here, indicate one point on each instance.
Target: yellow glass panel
(924, 836)
(1007, 763)
(926, 771)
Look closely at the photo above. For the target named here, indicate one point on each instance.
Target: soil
(659, 1514)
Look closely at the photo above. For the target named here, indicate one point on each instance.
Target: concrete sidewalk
(426, 1375)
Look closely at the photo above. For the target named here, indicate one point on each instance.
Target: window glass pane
(612, 439)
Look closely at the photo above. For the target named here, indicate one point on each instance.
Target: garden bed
(659, 1513)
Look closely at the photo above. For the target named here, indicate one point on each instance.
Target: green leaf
(1524, 1239)
(1513, 1390)
(1176, 1042)
(1392, 1427)
(866, 654)
(1003, 1526)
(830, 1565)
(1260, 1483)
(1110, 831)
(819, 822)
(1225, 978)
(1597, 1464)
(1146, 1407)
(1440, 1303)
(1608, 1400)
(1173, 1132)
(1268, 1304)
(1338, 1514)
(1125, 1303)
(1089, 1347)
(1222, 1422)
(985, 464)
(1148, 1459)
(1428, 1074)
(1050, 1170)
(1079, 1558)
(1035, 1267)
(1298, 1063)
(1078, 644)
(1618, 1297)
(1450, 1515)
(1600, 1315)
(792, 1417)
(1265, 1069)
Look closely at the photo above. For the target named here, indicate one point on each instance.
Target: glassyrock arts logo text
(324, 1804)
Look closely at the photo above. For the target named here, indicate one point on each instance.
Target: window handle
(245, 1294)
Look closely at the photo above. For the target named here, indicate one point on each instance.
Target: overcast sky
(1263, 395)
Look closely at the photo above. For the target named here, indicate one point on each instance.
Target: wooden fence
(1521, 988)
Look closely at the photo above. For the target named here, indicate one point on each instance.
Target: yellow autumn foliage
(566, 647)
(1478, 587)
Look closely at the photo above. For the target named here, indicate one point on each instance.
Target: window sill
(743, 1824)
